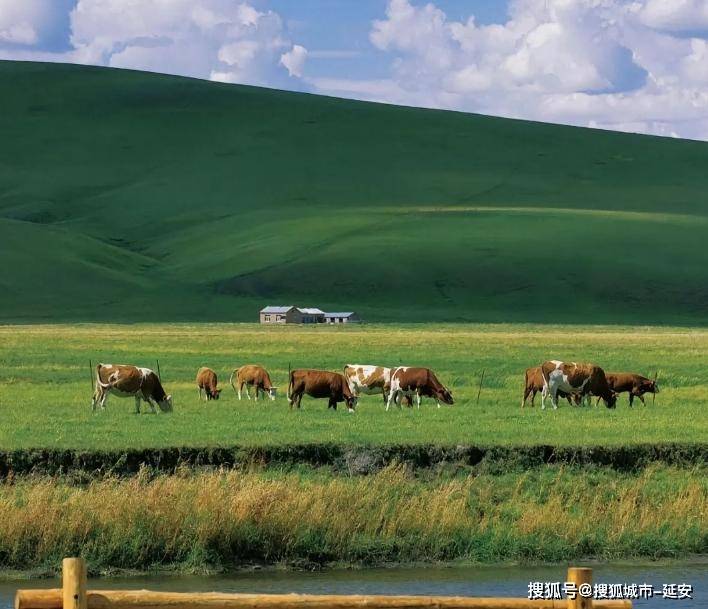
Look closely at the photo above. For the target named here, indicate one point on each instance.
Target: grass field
(222, 519)
(45, 385)
(130, 196)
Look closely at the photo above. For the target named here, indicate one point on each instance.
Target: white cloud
(224, 40)
(25, 23)
(675, 15)
(294, 60)
(619, 64)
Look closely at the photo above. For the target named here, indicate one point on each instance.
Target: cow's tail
(231, 379)
(543, 376)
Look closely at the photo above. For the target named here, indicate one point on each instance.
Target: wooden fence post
(73, 581)
(578, 576)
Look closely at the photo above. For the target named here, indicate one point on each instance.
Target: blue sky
(631, 65)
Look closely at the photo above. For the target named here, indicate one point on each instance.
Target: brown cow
(130, 381)
(253, 376)
(533, 384)
(206, 382)
(320, 384)
(573, 378)
(420, 382)
(634, 384)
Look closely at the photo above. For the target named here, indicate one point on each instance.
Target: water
(451, 581)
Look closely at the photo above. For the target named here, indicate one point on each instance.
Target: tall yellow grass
(213, 519)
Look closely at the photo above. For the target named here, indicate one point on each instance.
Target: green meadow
(45, 385)
(128, 196)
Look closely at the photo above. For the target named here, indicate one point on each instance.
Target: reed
(213, 520)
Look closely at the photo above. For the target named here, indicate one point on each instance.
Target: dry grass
(215, 519)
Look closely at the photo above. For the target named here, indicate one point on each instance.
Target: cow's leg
(533, 397)
(544, 395)
(641, 397)
(417, 398)
(248, 392)
(104, 399)
(526, 395)
(554, 398)
(258, 390)
(137, 404)
(391, 397)
(152, 406)
(631, 398)
(240, 387)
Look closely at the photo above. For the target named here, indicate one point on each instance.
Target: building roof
(345, 314)
(271, 309)
(311, 311)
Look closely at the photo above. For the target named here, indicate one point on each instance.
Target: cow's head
(651, 387)
(351, 401)
(444, 395)
(166, 404)
(610, 400)
(272, 392)
(215, 394)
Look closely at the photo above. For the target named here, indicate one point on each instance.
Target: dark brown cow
(130, 381)
(420, 382)
(206, 382)
(320, 384)
(573, 378)
(252, 376)
(533, 384)
(634, 384)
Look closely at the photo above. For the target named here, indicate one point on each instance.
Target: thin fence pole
(481, 380)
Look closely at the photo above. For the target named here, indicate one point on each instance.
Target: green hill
(130, 196)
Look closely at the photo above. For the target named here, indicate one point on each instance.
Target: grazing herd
(581, 382)
(575, 382)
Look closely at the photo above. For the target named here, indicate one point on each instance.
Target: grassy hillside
(132, 196)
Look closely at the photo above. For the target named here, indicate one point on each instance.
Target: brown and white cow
(320, 384)
(253, 376)
(418, 382)
(206, 382)
(126, 381)
(577, 379)
(533, 384)
(634, 384)
(368, 380)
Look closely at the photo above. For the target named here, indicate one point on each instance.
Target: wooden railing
(75, 595)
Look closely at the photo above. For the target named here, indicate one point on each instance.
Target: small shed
(312, 315)
(280, 315)
(346, 317)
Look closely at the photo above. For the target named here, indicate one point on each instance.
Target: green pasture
(128, 196)
(45, 385)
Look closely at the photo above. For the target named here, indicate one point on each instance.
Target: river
(448, 581)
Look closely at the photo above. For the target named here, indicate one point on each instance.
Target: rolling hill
(128, 196)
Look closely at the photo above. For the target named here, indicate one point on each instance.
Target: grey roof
(345, 314)
(271, 309)
(310, 311)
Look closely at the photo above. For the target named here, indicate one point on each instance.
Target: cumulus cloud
(27, 23)
(218, 39)
(294, 60)
(635, 65)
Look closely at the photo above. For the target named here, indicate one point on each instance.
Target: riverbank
(346, 459)
(223, 520)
